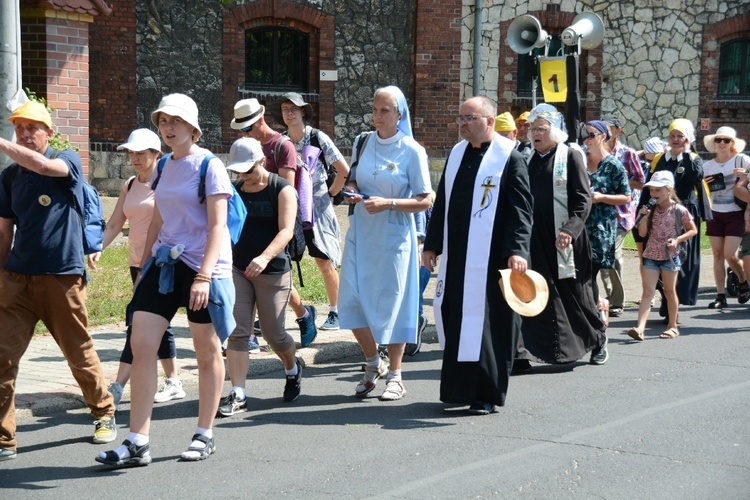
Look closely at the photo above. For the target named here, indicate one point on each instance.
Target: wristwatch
(393, 204)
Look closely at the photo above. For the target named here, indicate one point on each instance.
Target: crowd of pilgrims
(544, 205)
(586, 198)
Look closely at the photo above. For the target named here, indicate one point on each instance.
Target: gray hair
(556, 135)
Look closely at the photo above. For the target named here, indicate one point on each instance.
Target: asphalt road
(662, 419)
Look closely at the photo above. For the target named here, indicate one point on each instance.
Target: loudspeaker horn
(525, 33)
(588, 27)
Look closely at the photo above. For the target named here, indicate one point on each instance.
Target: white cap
(661, 178)
(142, 139)
(245, 153)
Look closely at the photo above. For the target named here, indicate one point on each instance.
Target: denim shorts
(672, 264)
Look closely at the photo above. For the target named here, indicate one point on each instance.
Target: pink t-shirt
(664, 227)
(138, 208)
(185, 219)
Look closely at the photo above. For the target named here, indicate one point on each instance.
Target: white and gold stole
(485, 200)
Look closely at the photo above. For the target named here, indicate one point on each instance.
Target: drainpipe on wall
(10, 65)
(477, 44)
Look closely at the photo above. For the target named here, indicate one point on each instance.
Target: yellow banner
(554, 79)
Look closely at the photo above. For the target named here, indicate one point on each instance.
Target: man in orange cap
(506, 126)
(43, 275)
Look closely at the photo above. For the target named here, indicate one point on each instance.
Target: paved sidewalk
(45, 384)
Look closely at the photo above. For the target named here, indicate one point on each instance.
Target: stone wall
(652, 66)
(374, 48)
(179, 50)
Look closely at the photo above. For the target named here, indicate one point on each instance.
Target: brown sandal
(670, 333)
(636, 334)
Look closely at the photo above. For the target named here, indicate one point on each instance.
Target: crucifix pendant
(487, 185)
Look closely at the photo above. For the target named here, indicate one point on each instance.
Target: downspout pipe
(477, 44)
(10, 65)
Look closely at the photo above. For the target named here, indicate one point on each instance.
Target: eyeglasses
(719, 140)
(290, 111)
(541, 130)
(469, 118)
(247, 129)
(590, 135)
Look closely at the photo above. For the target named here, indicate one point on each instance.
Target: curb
(43, 399)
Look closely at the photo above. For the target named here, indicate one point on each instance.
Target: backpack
(92, 218)
(90, 214)
(236, 210)
(303, 184)
(296, 246)
(331, 172)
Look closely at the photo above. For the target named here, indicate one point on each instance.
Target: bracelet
(202, 277)
(393, 204)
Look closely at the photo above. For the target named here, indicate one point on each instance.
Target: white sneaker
(116, 390)
(172, 389)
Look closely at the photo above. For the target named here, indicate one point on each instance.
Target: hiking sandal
(138, 457)
(365, 385)
(202, 453)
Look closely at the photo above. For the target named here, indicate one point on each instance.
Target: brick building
(104, 66)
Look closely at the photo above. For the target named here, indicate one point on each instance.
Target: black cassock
(570, 325)
(485, 380)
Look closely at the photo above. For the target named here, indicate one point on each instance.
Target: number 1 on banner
(553, 81)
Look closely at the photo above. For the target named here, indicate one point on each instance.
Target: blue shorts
(672, 264)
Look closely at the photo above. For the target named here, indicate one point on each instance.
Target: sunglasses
(590, 135)
(247, 129)
(719, 140)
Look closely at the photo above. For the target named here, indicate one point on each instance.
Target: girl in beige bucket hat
(189, 237)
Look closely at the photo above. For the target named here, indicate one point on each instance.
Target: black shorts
(313, 250)
(148, 299)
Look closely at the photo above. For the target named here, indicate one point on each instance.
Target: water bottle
(176, 251)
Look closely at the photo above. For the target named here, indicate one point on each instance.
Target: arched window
(276, 59)
(734, 69)
(526, 67)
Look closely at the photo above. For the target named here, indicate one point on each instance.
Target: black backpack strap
(130, 183)
(273, 183)
(202, 182)
(159, 168)
(359, 144)
(315, 141)
(361, 140)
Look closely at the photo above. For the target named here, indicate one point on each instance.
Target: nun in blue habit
(379, 294)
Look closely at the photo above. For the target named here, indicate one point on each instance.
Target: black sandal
(203, 452)
(139, 456)
(720, 302)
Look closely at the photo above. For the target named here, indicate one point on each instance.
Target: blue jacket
(220, 296)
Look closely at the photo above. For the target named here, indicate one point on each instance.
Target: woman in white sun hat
(189, 238)
(136, 205)
(726, 229)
